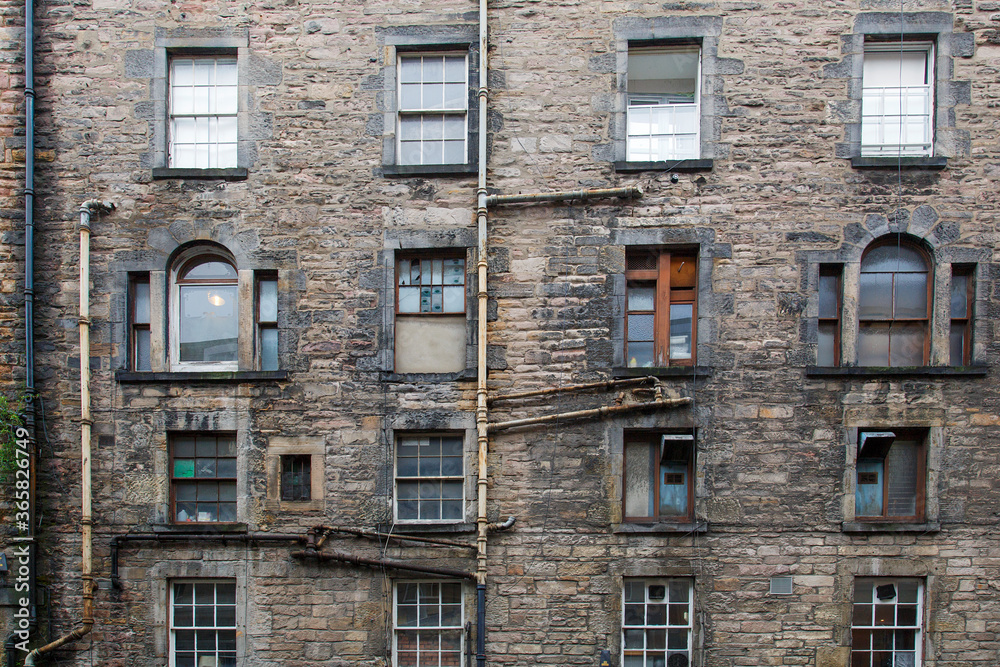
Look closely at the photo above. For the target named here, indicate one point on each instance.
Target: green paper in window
(183, 468)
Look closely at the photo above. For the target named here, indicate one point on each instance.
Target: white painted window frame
(397, 629)
(172, 116)
(648, 581)
(894, 149)
(175, 312)
(629, 97)
(402, 435)
(402, 112)
(918, 628)
(170, 615)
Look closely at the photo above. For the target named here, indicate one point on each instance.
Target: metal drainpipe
(482, 410)
(86, 519)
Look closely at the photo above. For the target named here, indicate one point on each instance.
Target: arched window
(205, 327)
(894, 305)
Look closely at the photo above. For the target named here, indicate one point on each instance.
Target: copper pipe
(594, 412)
(606, 384)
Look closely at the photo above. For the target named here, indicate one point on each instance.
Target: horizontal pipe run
(631, 192)
(383, 563)
(606, 384)
(593, 412)
(393, 536)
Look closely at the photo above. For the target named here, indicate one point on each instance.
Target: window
(139, 311)
(429, 478)
(664, 115)
(296, 477)
(430, 314)
(893, 305)
(962, 295)
(267, 322)
(203, 624)
(203, 478)
(203, 107)
(658, 477)
(897, 100)
(660, 308)
(828, 352)
(433, 109)
(657, 625)
(429, 624)
(890, 475)
(887, 624)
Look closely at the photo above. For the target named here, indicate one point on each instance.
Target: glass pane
(911, 295)
(409, 96)
(433, 128)
(227, 512)
(433, 94)
(680, 330)
(679, 590)
(143, 359)
(862, 615)
(433, 68)
(409, 299)
(901, 478)
(409, 152)
(640, 355)
(829, 295)
(454, 96)
(906, 344)
(186, 491)
(635, 591)
(454, 299)
(640, 327)
(892, 257)
(183, 468)
(454, 69)
(453, 152)
(873, 345)
(957, 343)
(638, 480)
(641, 298)
(875, 296)
(827, 344)
(959, 295)
(678, 614)
(208, 323)
(183, 639)
(227, 491)
(906, 614)
(907, 592)
(268, 300)
(269, 349)
(409, 129)
(656, 639)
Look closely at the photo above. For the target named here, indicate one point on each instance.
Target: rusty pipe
(631, 192)
(384, 563)
(593, 412)
(606, 384)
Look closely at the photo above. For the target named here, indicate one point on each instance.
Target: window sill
(896, 371)
(416, 378)
(432, 528)
(234, 174)
(663, 372)
(141, 377)
(871, 162)
(313, 505)
(195, 528)
(625, 167)
(661, 528)
(428, 169)
(889, 527)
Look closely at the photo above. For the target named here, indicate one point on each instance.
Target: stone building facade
(807, 477)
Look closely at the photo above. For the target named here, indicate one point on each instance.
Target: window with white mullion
(429, 624)
(887, 623)
(203, 108)
(657, 622)
(897, 101)
(433, 109)
(203, 623)
(429, 478)
(663, 115)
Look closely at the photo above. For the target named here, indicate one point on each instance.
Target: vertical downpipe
(482, 415)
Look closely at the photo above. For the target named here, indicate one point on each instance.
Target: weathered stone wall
(772, 440)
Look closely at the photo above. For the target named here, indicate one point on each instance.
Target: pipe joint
(501, 526)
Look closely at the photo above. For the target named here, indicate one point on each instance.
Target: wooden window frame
(654, 440)
(666, 296)
(833, 272)
(430, 255)
(174, 480)
(929, 286)
(969, 273)
(918, 435)
(262, 324)
(135, 325)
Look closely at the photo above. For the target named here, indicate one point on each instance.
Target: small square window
(890, 482)
(203, 112)
(897, 100)
(887, 622)
(781, 585)
(430, 478)
(657, 626)
(203, 478)
(663, 93)
(296, 477)
(203, 623)
(661, 300)
(658, 473)
(433, 102)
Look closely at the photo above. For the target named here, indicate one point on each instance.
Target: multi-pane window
(203, 107)
(828, 343)
(658, 476)
(139, 311)
(429, 624)
(897, 100)
(661, 290)
(893, 306)
(664, 118)
(296, 477)
(657, 624)
(429, 480)
(432, 112)
(887, 624)
(203, 478)
(203, 624)
(267, 322)
(890, 475)
(430, 285)
(962, 296)
(207, 327)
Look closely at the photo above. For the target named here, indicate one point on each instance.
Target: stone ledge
(861, 162)
(142, 377)
(432, 528)
(661, 528)
(235, 174)
(428, 169)
(626, 167)
(897, 371)
(194, 528)
(422, 378)
(664, 372)
(889, 527)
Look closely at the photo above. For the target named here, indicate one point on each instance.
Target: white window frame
(207, 122)
(175, 312)
(402, 113)
(397, 629)
(918, 628)
(869, 95)
(460, 478)
(173, 628)
(645, 654)
(636, 109)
